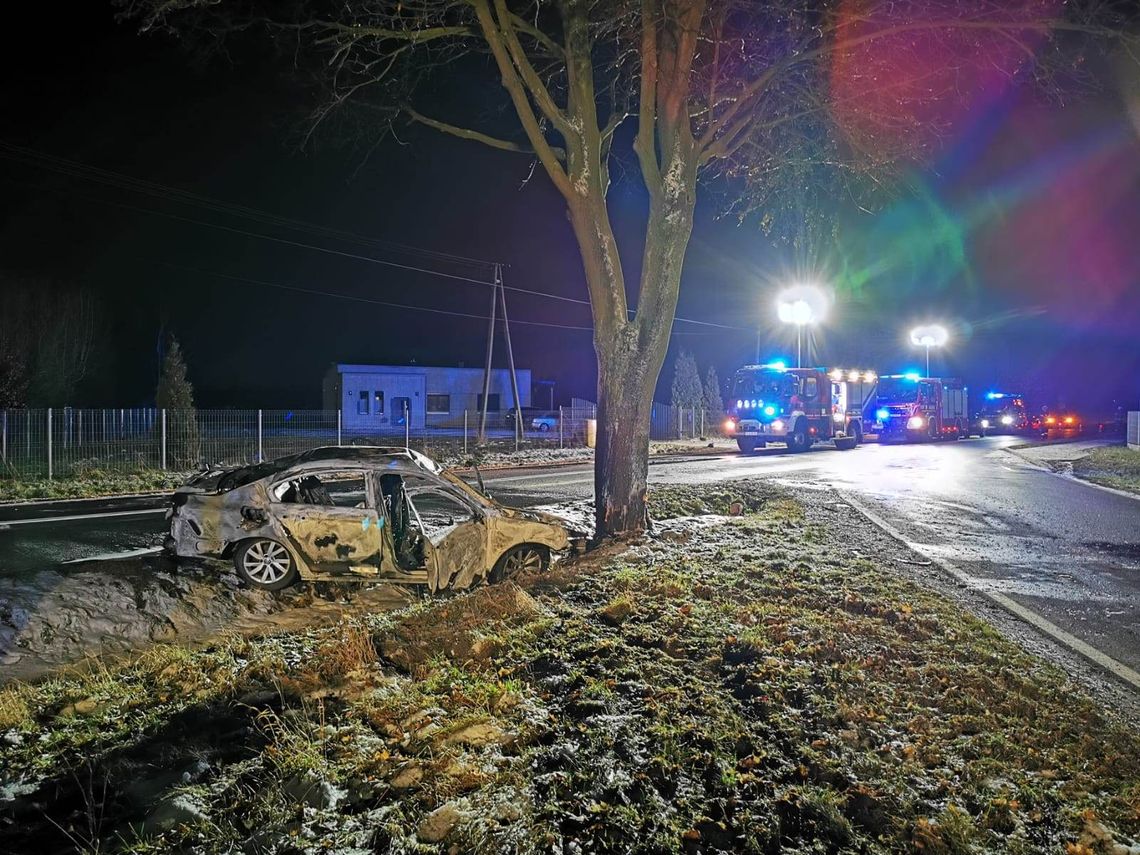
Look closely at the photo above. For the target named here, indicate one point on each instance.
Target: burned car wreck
(357, 512)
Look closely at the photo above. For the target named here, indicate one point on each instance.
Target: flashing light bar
(852, 376)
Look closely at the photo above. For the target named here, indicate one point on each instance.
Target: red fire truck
(797, 406)
(909, 408)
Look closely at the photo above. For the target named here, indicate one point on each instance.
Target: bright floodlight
(929, 336)
(801, 305)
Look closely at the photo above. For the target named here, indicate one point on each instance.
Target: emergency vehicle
(909, 408)
(797, 406)
(1004, 412)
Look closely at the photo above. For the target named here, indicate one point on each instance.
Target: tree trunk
(625, 400)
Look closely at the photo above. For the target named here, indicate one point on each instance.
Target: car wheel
(543, 427)
(521, 560)
(799, 441)
(857, 432)
(265, 564)
(746, 444)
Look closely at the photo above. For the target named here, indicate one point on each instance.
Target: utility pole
(482, 435)
(510, 353)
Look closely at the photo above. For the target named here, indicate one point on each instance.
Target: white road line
(111, 556)
(76, 517)
(1066, 639)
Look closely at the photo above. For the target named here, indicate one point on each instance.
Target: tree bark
(621, 463)
(630, 355)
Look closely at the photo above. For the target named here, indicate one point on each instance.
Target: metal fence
(62, 442)
(1133, 435)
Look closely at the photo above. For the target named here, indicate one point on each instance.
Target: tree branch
(476, 136)
(518, 94)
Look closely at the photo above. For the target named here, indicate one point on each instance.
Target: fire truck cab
(797, 406)
(910, 408)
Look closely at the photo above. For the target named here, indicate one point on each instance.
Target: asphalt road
(1066, 551)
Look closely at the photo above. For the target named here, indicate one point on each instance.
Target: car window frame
(370, 503)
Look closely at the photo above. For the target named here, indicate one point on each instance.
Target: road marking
(76, 517)
(111, 556)
(1031, 617)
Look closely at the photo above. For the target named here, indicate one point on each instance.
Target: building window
(492, 402)
(362, 404)
(438, 405)
(378, 406)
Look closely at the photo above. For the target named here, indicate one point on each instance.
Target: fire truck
(797, 406)
(910, 408)
(1004, 412)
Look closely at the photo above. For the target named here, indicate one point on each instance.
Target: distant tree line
(688, 391)
(51, 335)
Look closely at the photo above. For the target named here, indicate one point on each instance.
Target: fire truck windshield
(897, 390)
(765, 384)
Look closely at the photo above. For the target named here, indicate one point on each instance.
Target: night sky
(1022, 237)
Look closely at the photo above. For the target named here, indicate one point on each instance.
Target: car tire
(543, 427)
(523, 559)
(265, 564)
(856, 430)
(746, 444)
(798, 440)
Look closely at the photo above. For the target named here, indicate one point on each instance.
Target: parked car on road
(357, 513)
(544, 423)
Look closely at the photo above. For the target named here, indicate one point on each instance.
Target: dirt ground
(764, 674)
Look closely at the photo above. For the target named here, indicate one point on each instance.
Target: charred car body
(357, 512)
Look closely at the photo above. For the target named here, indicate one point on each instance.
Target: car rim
(522, 561)
(266, 562)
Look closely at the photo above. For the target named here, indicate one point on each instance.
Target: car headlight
(778, 425)
(1007, 420)
(729, 426)
(882, 414)
(985, 423)
(915, 422)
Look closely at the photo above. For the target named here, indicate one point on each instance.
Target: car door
(455, 533)
(330, 519)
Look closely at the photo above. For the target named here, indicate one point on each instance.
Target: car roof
(394, 459)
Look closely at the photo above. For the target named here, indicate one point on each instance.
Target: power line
(81, 170)
(164, 191)
(369, 300)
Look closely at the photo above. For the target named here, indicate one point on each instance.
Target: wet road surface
(1067, 551)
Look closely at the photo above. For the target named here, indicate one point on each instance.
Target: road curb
(1069, 477)
(1065, 639)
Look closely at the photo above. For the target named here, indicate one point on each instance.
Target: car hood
(533, 516)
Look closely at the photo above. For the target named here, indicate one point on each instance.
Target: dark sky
(1022, 237)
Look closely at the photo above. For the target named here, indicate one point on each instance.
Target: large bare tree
(787, 96)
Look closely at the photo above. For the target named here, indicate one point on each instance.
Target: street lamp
(801, 305)
(931, 335)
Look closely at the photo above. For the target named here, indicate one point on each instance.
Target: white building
(377, 396)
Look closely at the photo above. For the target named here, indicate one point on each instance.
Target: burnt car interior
(407, 539)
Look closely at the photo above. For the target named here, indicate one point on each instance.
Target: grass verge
(748, 684)
(1115, 466)
(90, 484)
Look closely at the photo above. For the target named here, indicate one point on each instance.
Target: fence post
(260, 455)
(560, 426)
(4, 436)
(338, 426)
(164, 439)
(702, 421)
(518, 424)
(407, 429)
(465, 433)
(49, 443)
